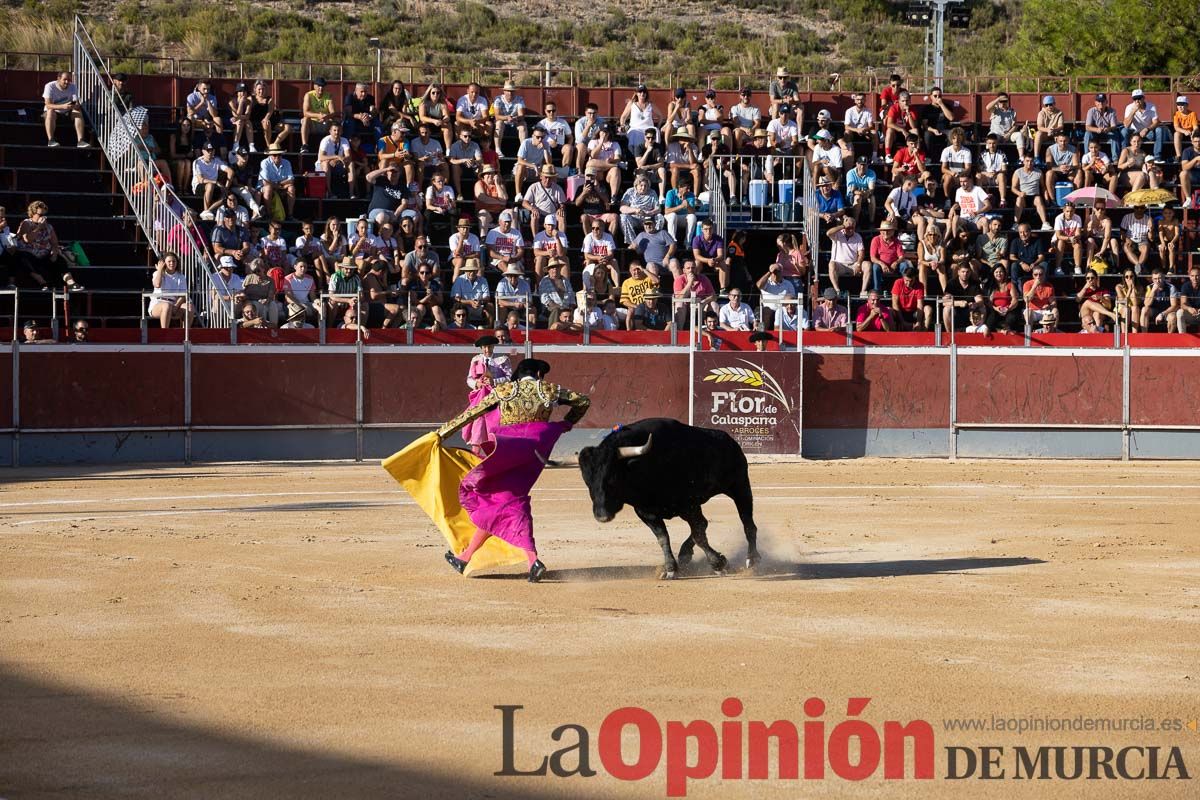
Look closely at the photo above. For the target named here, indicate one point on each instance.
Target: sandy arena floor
(292, 631)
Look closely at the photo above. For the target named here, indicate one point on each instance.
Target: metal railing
(765, 191)
(148, 192)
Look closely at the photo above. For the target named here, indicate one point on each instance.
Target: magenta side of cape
(480, 430)
(496, 492)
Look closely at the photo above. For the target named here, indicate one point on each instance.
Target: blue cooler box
(758, 194)
(787, 192)
(1061, 190)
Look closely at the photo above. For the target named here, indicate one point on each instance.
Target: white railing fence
(159, 212)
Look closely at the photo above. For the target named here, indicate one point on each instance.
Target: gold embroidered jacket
(526, 400)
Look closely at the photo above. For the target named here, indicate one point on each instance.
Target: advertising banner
(752, 396)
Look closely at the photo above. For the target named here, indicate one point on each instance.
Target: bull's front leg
(694, 517)
(659, 528)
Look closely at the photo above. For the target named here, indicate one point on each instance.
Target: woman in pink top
(793, 259)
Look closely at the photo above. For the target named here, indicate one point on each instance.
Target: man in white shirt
(1142, 117)
(826, 156)
(859, 123)
(333, 159)
(846, 253)
(509, 112)
(1138, 228)
(504, 243)
(471, 113)
(587, 128)
(1068, 232)
(60, 98)
(993, 167)
(548, 244)
(463, 245)
(743, 118)
(545, 198)
(783, 132)
(734, 315)
(207, 173)
(558, 134)
(970, 203)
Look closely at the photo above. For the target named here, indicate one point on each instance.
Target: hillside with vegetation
(625, 42)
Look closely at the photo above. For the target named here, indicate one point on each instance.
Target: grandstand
(99, 209)
(1042, 389)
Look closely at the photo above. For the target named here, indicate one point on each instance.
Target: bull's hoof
(666, 574)
(718, 564)
(752, 561)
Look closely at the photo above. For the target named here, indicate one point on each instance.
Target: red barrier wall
(99, 389)
(1164, 390)
(1063, 390)
(431, 387)
(272, 387)
(6, 417)
(876, 390)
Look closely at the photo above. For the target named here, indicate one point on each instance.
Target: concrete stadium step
(107, 254)
(51, 179)
(33, 133)
(38, 155)
(63, 203)
(98, 228)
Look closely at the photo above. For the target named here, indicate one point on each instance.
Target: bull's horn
(634, 452)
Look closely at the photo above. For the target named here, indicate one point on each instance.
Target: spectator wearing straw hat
(471, 294)
(463, 245)
(491, 197)
(782, 91)
(513, 292)
(275, 176)
(545, 199)
(508, 109)
(887, 258)
(554, 290)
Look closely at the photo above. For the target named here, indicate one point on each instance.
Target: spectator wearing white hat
(826, 155)
(1141, 116)
(1185, 124)
(513, 292)
(783, 91)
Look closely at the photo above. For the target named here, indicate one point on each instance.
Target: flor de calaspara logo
(751, 406)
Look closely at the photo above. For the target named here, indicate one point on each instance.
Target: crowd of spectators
(469, 207)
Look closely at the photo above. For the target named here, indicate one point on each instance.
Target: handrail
(578, 77)
(147, 191)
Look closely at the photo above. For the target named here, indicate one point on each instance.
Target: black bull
(664, 469)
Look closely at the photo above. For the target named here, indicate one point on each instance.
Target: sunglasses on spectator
(422, 272)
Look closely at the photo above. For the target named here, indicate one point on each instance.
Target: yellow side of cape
(432, 473)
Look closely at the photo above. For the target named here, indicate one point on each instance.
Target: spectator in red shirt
(900, 123)
(1039, 298)
(887, 256)
(874, 316)
(909, 161)
(911, 312)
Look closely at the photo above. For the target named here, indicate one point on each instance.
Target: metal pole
(358, 397)
(187, 402)
(939, 40)
(953, 399)
(1125, 365)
